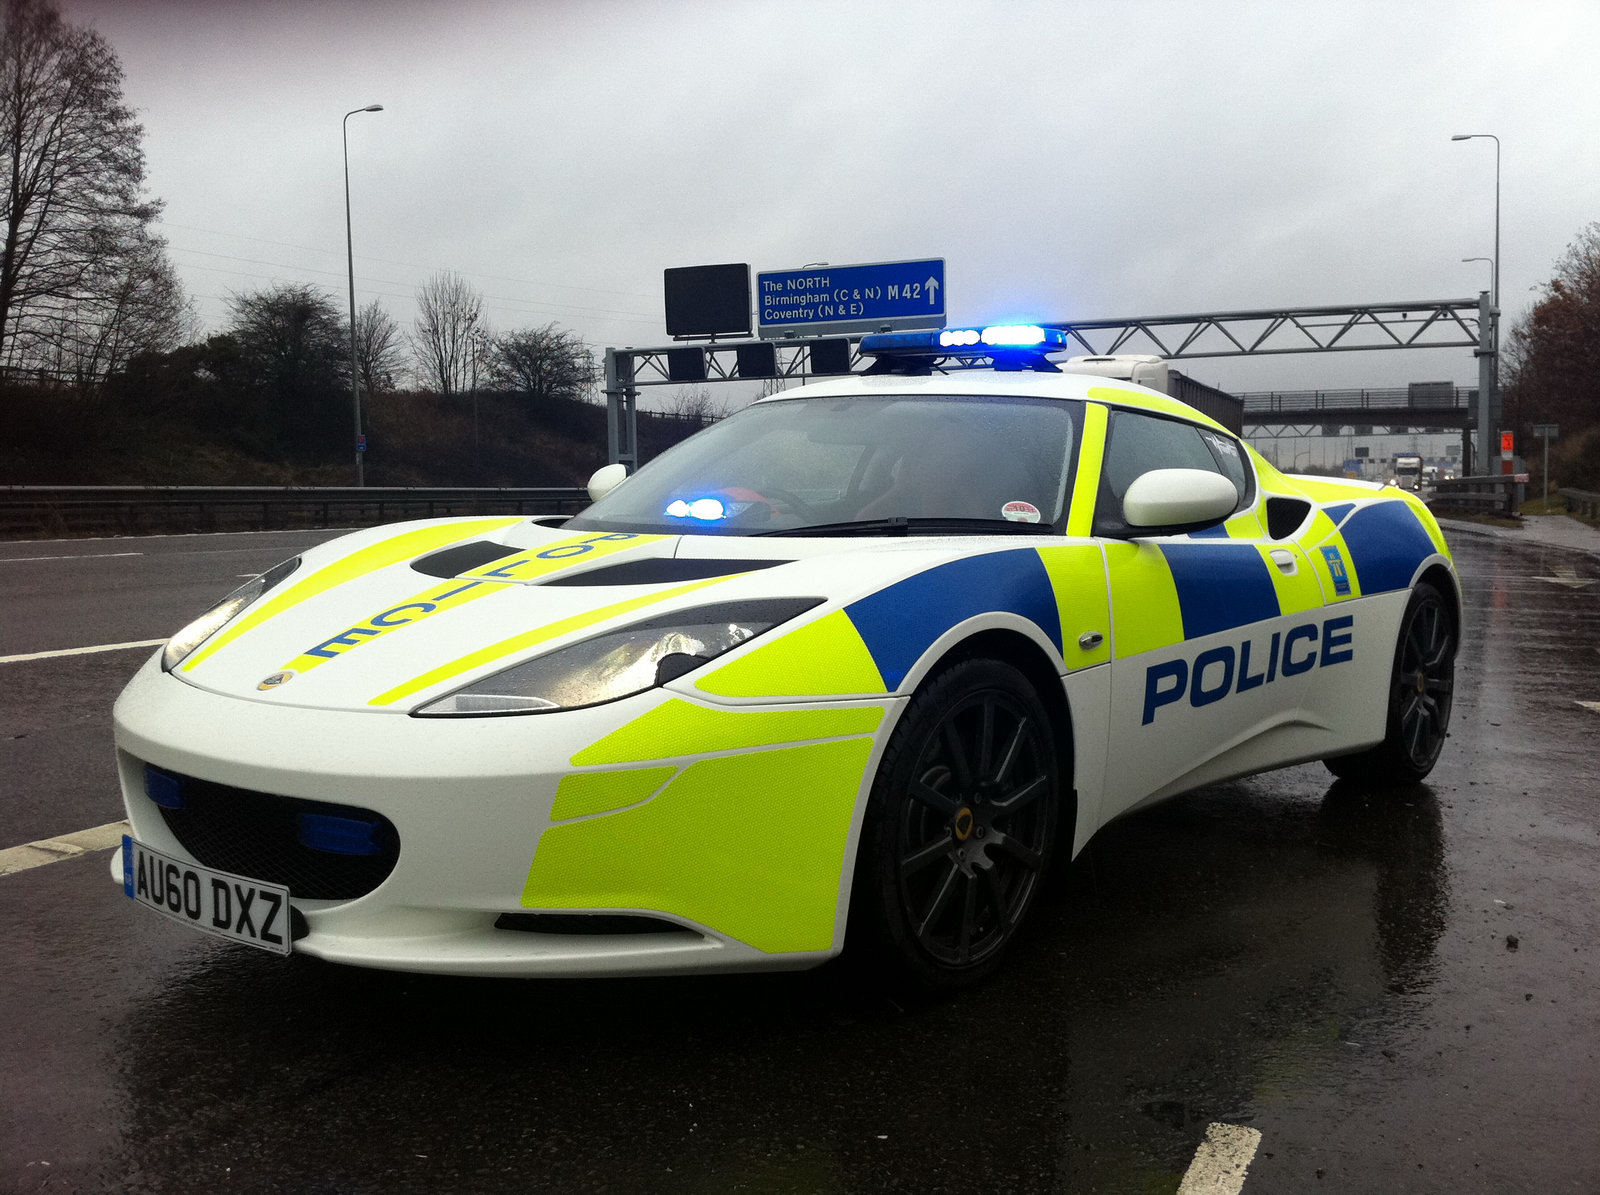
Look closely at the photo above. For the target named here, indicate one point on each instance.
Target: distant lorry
(1406, 471)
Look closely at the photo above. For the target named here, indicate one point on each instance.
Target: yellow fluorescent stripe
(1323, 534)
(357, 564)
(446, 595)
(1245, 526)
(824, 658)
(1077, 574)
(1429, 524)
(750, 845)
(553, 557)
(1295, 593)
(518, 643)
(677, 728)
(582, 794)
(1145, 613)
(1152, 402)
(1080, 520)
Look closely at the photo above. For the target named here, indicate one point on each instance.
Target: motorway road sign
(822, 300)
(1547, 431)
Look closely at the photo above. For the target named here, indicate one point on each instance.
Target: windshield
(862, 463)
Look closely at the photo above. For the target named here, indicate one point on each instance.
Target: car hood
(389, 618)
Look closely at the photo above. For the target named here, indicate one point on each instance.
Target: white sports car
(875, 652)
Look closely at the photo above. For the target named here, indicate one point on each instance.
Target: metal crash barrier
(1581, 502)
(42, 511)
(1494, 495)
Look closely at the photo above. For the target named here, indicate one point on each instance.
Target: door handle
(1285, 561)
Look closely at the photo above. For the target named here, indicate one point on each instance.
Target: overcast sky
(1068, 160)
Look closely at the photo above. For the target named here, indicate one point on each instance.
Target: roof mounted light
(1019, 335)
(1006, 346)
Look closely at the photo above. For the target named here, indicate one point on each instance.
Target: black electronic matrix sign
(708, 300)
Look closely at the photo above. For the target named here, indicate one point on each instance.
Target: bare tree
(448, 311)
(694, 402)
(72, 204)
(379, 351)
(134, 305)
(547, 362)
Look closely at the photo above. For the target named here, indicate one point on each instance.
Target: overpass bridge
(1423, 406)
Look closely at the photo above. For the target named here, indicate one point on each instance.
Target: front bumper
(474, 800)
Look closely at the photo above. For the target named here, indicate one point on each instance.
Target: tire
(960, 827)
(1421, 690)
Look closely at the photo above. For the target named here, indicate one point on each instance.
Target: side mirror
(605, 479)
(1174, 500)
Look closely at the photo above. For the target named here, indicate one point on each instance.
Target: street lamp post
(1489, 345)
(476, 338)
(350, 259)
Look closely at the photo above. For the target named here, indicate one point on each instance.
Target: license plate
(228, 906)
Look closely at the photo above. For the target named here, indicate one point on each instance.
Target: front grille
(258, 835)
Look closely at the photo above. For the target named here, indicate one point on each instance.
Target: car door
(1214, 633)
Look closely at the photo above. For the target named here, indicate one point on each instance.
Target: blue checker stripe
(1220, 586)
(1337, 511)
(1386, 544)
(900, 623)
(1217, 532)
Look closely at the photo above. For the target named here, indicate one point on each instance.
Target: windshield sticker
(1020, 512)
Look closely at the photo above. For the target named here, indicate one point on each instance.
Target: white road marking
(1567, 577)
(80, 651)
(123, 539)
(1592, 706)
(65, 846)
(83, 556)
(1221, 1161)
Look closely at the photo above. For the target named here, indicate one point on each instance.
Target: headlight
(212, 621)
(619, 663)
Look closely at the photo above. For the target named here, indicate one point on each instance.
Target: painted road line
(81, 651)
(1221, 1161)
(83, 556)
(1567, 577)
(1592, 706)
(66, 846)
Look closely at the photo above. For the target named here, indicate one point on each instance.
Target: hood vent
(661, 571)
(452, 562)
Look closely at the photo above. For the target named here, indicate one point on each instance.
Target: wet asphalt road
(1397, 988)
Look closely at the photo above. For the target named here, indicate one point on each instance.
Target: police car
(855, 666)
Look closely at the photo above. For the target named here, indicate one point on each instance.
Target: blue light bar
(966, 342)
(1022, 335)
(707, 510)
(338, 835)
(888, 344)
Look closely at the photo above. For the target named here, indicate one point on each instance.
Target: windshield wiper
(900, 525)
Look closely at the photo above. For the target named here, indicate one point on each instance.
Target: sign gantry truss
(1365, 327)
(1445, 323)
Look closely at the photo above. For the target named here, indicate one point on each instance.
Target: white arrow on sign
(933, 289)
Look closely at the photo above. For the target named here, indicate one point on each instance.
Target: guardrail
(1581, 502)
(40, 511)
(1494, 495)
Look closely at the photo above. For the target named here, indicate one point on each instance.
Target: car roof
(986, 382)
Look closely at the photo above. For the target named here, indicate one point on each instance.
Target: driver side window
(1136, 443)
